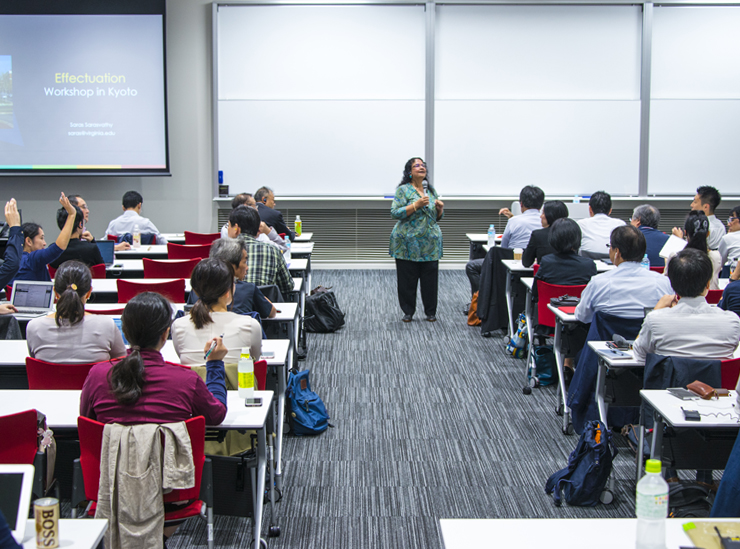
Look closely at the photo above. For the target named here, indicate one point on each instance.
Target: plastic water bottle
(298, 226)
(137, 237)
(491, 235)
(645, 263)
(576, 199)
(651, 508)
(245, 372)
(286, 253)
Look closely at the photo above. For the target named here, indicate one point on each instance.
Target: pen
(213, 346)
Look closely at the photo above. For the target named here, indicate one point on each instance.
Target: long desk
(179, 238)
(62, 409)
(477, 239)
(562, 318)
(73, 533)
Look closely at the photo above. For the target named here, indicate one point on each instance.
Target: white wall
(172, 203)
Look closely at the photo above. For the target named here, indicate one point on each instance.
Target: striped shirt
(265, 265)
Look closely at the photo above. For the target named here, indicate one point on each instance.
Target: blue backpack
(589, 467)
(306, 411)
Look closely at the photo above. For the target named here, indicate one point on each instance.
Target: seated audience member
(213, 281)
(696, 228)
(731, 294)
(131, 217)
(36, 256)
(623, 292)
(539, 244)
(729, 246)
(77, 200)
(247, 296)
(265, 199)
(597, 228)
(70, 335)
(78, 248)
(646, 218)
(266, 234)
(242, 199)
(707, 200)
(14, 247)
(265, 263)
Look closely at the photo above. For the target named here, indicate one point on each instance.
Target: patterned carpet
(430, 423)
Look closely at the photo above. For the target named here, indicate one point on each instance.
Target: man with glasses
(729, 246)
(77, 200)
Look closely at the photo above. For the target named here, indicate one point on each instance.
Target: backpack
(323, 314)
(306, 411)
(589, 467)
(517, 346)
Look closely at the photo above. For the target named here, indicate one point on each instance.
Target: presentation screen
(82, 92)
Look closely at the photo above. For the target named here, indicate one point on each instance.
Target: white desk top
(554, 533)
(670, 406)
(73, 533)
(178, 238)
(561, 315)
(515, 266)
(62, 408)
(145, 250)
(297, 264)
(615, 362)
(528, 282)
(301, 247)
(110, 285)
(482, 238)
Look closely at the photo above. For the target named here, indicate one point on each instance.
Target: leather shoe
(408, 318)
(431, 318)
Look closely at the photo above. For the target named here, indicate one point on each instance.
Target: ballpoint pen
(213, 346)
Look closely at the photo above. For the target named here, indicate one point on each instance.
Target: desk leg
(509, 304)
(530, 356)
(601, 391)
(567, 428)
(258, 486)
(656, 450)
(282, 386)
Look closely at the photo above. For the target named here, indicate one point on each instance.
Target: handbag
(565, 301)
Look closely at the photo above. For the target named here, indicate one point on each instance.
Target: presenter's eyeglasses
(418, 165)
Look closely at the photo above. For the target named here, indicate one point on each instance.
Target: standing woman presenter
(416, 240)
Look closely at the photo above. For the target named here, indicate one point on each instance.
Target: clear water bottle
(286, 253)
(645, 263)
(491, 235)
(137, 237)
(651, 508)
(298, 226)
(245, 373)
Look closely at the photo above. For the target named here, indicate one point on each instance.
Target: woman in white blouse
(213, 281)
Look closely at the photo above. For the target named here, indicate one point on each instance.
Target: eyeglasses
(731, 219)
(419, 166)
(608, 246)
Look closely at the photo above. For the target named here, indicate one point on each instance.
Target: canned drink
(46, 512)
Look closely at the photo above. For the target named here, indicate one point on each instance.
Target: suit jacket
(492, 308)
(655, 242)
(274, 218)
(565, 270)
(539, 245)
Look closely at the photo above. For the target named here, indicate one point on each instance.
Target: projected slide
(82, 92)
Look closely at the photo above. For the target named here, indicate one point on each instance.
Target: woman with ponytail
(142, 387)
(70, 335)
(696, 231)
(213, 281)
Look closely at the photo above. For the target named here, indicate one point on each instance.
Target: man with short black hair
(646, 218)
(265, 199)
(266, 234)
(729, 246)
(597, 228)
(78, 248)
(623, 292)
(707, 200)
(131, 217)
(519, 228)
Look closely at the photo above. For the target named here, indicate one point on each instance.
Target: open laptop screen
(15, 496)
(36, 295)
(106, 248)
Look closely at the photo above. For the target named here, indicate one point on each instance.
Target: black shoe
(408, 318)
(467, 309)
(431, 318)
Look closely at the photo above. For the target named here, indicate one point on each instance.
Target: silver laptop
(32, 299)
(16, 483)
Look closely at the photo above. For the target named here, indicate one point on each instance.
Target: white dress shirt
(623, 292)
(596, 231)
(716, 232)
(716, 260)
(729, 247)
(272, 238)
(691, 329)
(519, 228)
(125, 223)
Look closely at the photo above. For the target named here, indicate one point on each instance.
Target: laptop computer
(107, 250)
(32, 298)
(16, 482)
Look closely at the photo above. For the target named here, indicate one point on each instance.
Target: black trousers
(409, 274)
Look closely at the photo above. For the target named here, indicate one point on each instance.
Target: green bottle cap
(653, 466)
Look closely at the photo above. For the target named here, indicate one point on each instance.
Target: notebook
(32, 298)
(106, 248)
(16, 482)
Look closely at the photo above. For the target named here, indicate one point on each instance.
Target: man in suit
(265, 199)
(646, 218)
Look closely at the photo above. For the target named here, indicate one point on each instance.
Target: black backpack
(323, 314)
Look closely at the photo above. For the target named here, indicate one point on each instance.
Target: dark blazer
(731, 297)
(13, 254)
(539, 246)
(564, 269)
(274, 219)
(81, 250)
(655, 242)
(247, 298)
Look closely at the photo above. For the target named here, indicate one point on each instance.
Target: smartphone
(253, 402)
(613, 354)
(691, 415)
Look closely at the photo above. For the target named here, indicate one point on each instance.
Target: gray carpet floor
(430, 423)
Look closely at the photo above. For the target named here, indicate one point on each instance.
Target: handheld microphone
(425, 184)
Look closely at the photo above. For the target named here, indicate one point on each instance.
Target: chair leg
(209, 513)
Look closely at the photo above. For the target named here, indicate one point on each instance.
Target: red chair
(200, 238)
(657, 269)
(174, 290)
(535, 268)
(112, 237)
(96, 271)
(180, 251)
(169, 268)
(545, 291)
(45, 376)
(730, 373)
(112, 311)
(19, 445)
(86, 477)
(8, 292)
(714, 296)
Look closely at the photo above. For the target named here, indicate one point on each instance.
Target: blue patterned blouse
(415, 237)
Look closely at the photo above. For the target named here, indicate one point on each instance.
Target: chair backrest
(200, 238)
(545, 292)
(535, 268)
(169, 268)
(714, 296)
(657, 269)
(112, 311)
(18, 443)
(43, 376)
(9, 292)
(271, 292)
(730, 373)
(52, 271)
(180, 251)
(91, 440)
(112, 237)
(174, 290)
(98, 271)
(260, 374)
